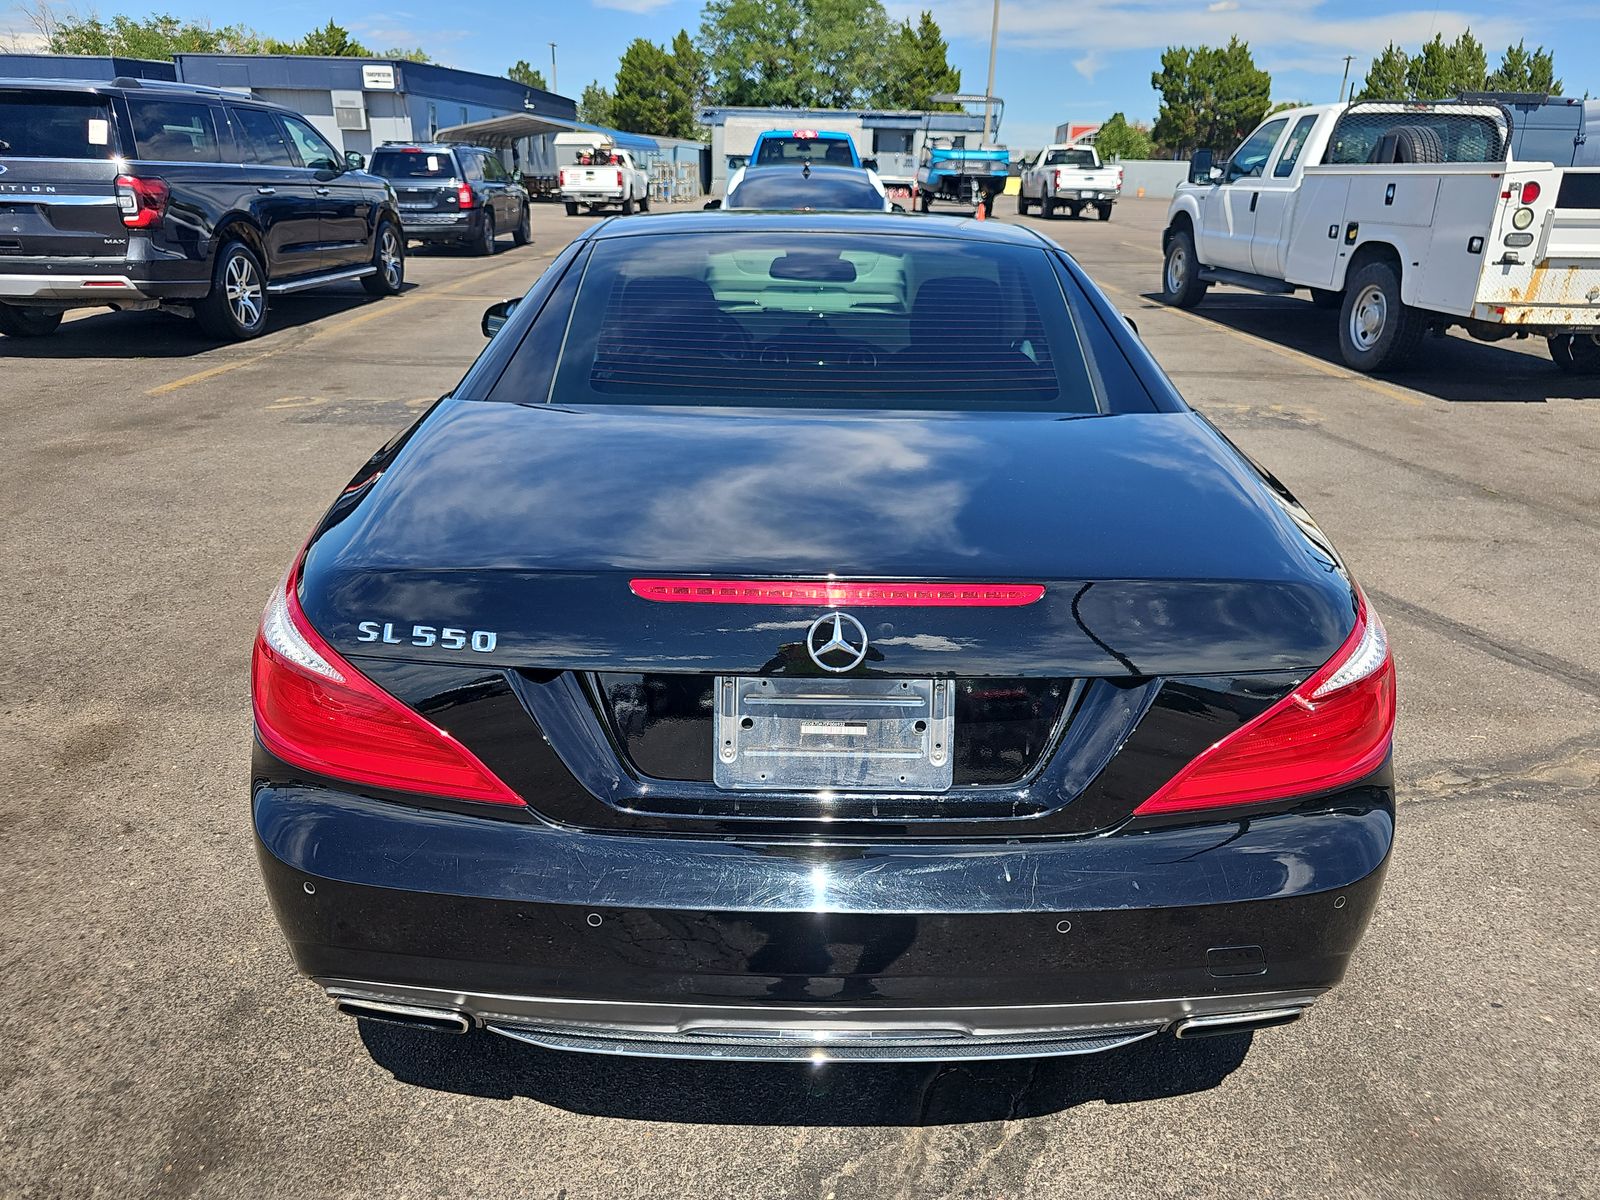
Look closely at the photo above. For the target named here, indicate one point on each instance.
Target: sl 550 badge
(446, 638)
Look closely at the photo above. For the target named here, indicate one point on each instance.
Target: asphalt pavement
(160, 1043)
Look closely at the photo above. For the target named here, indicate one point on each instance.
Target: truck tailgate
(1555, 280)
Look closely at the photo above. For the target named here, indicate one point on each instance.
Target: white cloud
(633, 6)
(1222, 6)
(1089, 64)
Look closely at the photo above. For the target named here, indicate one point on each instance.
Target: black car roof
(864, 224)
(124, 86)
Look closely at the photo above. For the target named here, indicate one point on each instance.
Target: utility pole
(1348, 59)
(553, 86)
(988, 94)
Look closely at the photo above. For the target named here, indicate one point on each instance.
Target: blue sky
(1059, 60)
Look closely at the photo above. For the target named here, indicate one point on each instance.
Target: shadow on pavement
(726, 1093)
(1453, 368)
(158, 335)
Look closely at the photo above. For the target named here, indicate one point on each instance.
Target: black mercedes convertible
(809, 637)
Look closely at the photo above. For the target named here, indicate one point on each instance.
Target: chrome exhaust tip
(446, 1020)
(1220, 1024)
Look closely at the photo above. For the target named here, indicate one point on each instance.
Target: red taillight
(563, 177)
(464, 195)
(1332, 730)
(1530, 192)
(314, 710)
(143, 202)
(832, 593)
(619, 178)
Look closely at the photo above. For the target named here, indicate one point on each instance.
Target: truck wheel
(1074, 211)
(1047, 207)
(644, 202)
(236, 306)
(572, 209)
(28, 322)
(925, 201)
(1181, 285)
(1323, 298)
(1104, 212)
(1022, 203)
(389, 256)
(523, 233)
(627, 206)
(1377, 330)
(1574, 353)
(483, 244)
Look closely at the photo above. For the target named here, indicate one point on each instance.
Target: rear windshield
(793, 191)
(798, 150)
(1069, 158)
(817, 319)
(413, 164)
(46, 125)
(1452, 137)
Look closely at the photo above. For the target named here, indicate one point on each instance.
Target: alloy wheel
(389, 257)
(1177, 269)
(243, 287)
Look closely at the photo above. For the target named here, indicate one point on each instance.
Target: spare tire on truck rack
(1409, 144)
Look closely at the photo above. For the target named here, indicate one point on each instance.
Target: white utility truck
(1406, 217)
(1070, 177)
(595, 174)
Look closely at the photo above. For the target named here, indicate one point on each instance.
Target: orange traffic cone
(981, 214)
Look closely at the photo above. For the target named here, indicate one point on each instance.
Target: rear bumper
(60, 288)
(1088, 195)
(670, 946)
(592, 197)
(433, 227)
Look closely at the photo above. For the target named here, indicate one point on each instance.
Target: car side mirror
(496, 316)
(354, 160)
(710, 204)
(869, 164)
(1200, 168)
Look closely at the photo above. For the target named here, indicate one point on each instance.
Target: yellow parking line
(329, 328)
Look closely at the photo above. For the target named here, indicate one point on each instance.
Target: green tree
(1520, 71)
(160, 35)
(332, 40)
(1210, 97)
(1386, 77)
(1118, 139)
(917, 67)
(686, 87)
(1441, 71)
(525, 73)
(847, 39)
(654, 89)
(594, 105)
(755, 53)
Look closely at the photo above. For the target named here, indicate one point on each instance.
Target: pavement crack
(1570, 673)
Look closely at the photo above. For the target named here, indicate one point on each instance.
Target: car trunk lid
(522, 529)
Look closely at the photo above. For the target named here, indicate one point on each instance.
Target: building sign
(1077, 131)
(377, 78)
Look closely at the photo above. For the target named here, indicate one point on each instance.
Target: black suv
(459, 194)
(140, 194)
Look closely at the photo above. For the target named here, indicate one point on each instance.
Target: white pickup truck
(1406, 217)
(1070, 177)
(596, 174)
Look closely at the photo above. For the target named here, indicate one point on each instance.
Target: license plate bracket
(856, 735)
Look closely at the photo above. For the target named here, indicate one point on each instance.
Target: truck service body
(1410, 216)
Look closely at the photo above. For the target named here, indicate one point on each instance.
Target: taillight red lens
(315, 710)
(1332, 730)
(834, 593)
(464, 195)
(1531, 191)
(143, 202)
(619, 178)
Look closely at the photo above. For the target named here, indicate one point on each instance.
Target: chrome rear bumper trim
(820, 1033)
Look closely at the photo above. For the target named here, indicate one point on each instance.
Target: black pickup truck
(136, 194)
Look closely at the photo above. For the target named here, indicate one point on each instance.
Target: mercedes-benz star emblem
(837, 642)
